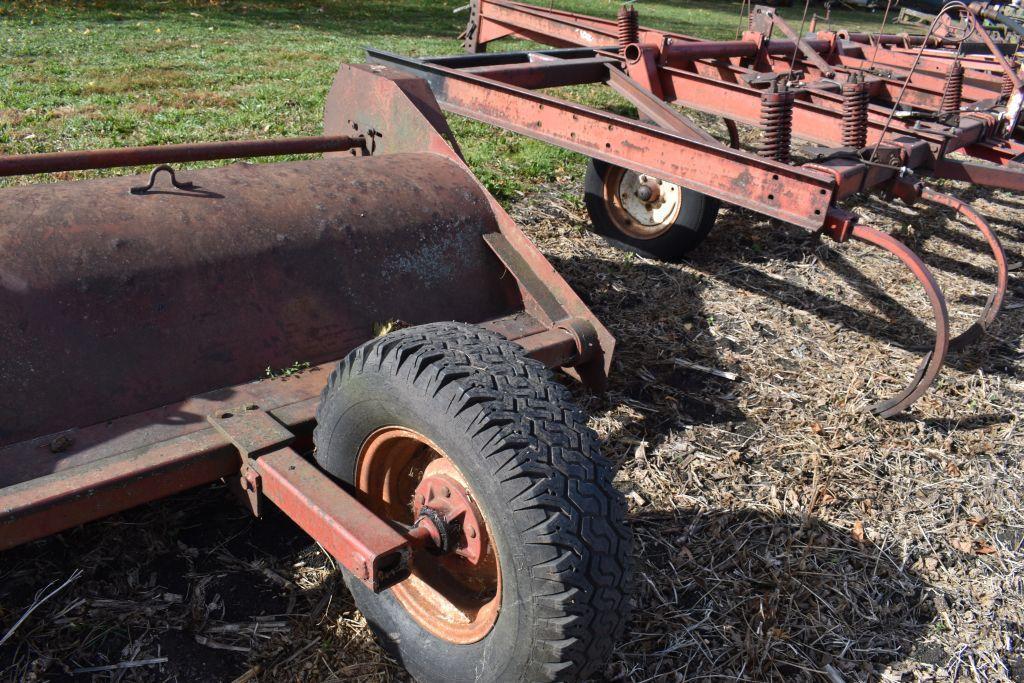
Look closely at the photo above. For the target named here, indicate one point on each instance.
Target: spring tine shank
(930, 365)
(995, 300)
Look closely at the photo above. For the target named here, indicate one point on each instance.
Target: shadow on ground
(773, 597)
(194, 579)
(891, 321)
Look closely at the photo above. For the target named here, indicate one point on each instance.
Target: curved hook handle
(143, 189)
(928, 370)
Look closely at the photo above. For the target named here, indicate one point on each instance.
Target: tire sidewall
(695, 220)
(370, 402)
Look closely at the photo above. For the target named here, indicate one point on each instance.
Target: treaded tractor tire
(693, 223)
(535, 472)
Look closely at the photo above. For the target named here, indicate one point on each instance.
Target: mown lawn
(77, 75)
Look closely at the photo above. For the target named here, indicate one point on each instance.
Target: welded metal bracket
(363, 543)
(764, 19)
(253, 432)
(569, 341)
(545, 304)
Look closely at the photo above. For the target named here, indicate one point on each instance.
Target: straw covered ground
(782, 533)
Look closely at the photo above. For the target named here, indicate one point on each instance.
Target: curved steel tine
(932, 361)
(734, 133)
(995, 300)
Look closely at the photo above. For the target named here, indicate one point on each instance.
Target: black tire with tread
(537, 475)
(692, 226)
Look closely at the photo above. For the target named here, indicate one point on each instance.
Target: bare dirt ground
(782, 533)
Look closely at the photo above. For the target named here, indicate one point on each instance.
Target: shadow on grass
(341, 17)
(416, 18)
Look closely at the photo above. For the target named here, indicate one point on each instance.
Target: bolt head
(471, 532)
(446, 492)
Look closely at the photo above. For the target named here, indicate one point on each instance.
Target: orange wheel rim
(455, 596)
(640, 205)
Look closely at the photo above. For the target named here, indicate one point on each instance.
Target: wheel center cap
(648, 191)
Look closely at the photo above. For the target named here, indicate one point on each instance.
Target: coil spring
(855, 113)
(952, 94)
(1006, 88)
(777, 123)
(629, 26)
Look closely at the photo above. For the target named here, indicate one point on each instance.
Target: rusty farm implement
(960, 57)
(450, 476)
(654, 183)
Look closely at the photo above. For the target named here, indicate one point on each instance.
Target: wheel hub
(444, 507)
(649, 191)
(640, 205)
(454, 589)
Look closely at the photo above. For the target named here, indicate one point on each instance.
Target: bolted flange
(445, 510)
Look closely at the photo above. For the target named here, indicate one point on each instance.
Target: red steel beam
(117, 465)
(53, 162)
(812, 122)
(933, 81)
(565, 28)
(550, 27)
(719, 89)
(689, 50)
(978, 174)
(1002, 152)
(47, 505)
(543, 30)
(924, 90)
(930, 61)
(774, 189)
(548, 74)
(559, 28)
(362, 542)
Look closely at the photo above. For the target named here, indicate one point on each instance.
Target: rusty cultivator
(870, 116)
(452, 479)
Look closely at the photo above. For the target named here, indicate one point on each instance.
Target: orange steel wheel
(455, 595)
(519, 551)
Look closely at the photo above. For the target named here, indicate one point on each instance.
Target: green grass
(77, 75)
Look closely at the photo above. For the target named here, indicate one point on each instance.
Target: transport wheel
(646, 215)
(453, 427)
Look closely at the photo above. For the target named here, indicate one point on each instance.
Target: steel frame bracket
(363, 543)
(569, 341)
(254, 432)
(764, 19)
(839, 223)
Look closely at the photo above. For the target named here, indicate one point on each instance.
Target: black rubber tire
(535, 471)
(696, 218)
